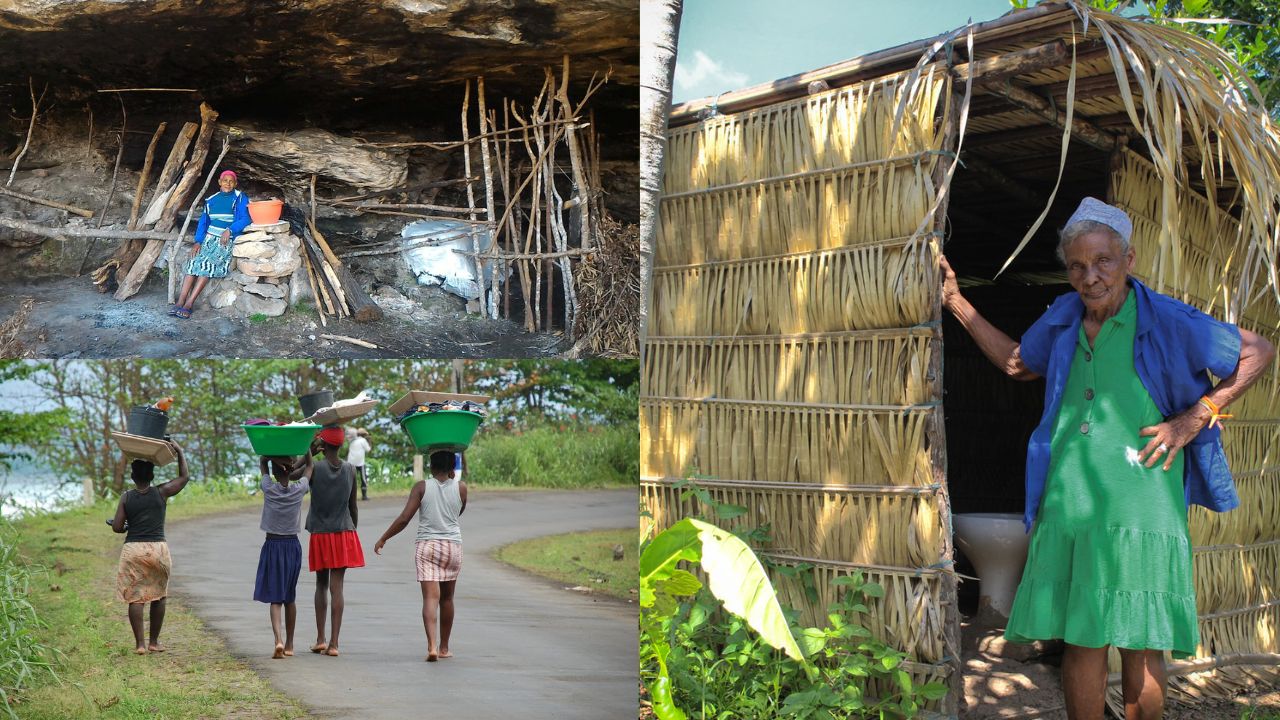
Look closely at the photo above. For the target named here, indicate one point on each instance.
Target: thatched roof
(1169, 95)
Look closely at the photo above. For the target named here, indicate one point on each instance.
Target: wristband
(1217, 416)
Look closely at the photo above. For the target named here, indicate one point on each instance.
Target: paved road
(524, 647)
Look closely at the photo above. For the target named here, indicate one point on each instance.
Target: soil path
(524, 647)
(70, 319)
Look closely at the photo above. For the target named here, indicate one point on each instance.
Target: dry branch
(345, 339)
(49, 203)
(35, 110)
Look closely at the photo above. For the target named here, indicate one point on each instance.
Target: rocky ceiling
(325, 62)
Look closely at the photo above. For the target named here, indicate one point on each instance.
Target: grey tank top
(330, 495)
(438, 514)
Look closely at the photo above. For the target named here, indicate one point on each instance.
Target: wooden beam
(1013, 135)
(81, 231)
(1012, 64)
(1028, 100)
(1016, 23)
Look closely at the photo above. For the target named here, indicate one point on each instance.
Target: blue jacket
(1175, 344)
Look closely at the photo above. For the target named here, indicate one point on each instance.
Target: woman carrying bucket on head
(280, 560)
(145, 564)
(438, 501)
(334, 546)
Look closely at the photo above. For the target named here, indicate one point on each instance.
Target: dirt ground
(70, 319)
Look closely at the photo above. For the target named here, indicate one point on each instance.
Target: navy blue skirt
(278, 566)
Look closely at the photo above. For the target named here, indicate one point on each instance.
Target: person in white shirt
(357, 448)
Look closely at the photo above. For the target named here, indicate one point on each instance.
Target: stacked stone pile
(267, 276)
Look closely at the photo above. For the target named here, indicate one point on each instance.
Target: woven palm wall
(1236, 554)
(793, 364)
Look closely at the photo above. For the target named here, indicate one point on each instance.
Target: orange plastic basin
(266, 212)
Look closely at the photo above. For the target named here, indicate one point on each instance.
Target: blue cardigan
(1174, 346)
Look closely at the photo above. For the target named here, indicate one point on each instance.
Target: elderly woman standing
(1129, 437)
(226, 215)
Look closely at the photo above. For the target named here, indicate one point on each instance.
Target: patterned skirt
(213, 260)
(143, 575)
(335, 550)
(438, 560)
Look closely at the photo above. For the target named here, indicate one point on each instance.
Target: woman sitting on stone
(226, 214)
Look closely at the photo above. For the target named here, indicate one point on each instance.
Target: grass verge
(581, 559)
(74, 559)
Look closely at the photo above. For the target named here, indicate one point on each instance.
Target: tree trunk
(659, 33)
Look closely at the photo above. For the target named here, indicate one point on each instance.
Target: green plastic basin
(449, 430)
(281, 440)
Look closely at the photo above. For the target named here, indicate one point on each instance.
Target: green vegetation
(731, 650)
(583, 559)
(24, 660)
(99, 674)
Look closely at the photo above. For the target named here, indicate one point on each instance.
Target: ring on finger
(1162, 448)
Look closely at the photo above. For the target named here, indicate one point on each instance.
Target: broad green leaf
(682, 582)
(873, 590)
(812, 640)
(738, 579)
(933, 690)
(664, 706)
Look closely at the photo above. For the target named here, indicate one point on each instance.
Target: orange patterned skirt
(143, 575)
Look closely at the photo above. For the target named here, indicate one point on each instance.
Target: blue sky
(730, 44)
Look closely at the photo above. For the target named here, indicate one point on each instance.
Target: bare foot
(320, 647)
(444, 653)
(332, 651)
(288, 651)
(279, 653)
(155, 647)
(431, 656)
(139, 650)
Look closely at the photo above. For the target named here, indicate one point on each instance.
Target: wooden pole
(1032, 102)
(146, 175)
(580, 186)
(315, 295)
(48, 203)
(492, 293)
(84, 232)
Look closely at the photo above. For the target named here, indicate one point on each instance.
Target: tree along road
(524, 647)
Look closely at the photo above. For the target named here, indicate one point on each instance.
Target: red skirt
(329, 551)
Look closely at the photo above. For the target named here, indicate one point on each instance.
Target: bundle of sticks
(336, 292)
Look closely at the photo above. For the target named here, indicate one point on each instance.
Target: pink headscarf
(226, 173)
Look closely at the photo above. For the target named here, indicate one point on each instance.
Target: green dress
(1110, 555)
